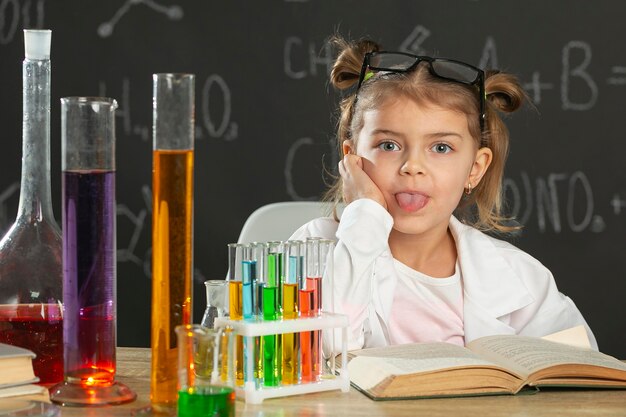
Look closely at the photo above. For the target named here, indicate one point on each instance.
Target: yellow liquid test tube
(236, 313)
(292, 269)
(290, 345)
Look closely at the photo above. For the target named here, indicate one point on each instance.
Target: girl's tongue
(411, 201)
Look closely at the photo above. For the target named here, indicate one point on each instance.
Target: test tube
(235, 272)
(235, 283)
(292, 268)
(248, 278)
(271, 343)
(327, 250)
(275, 271)
(249, 273)
(314, 270)
(259, 254)
(305, 307)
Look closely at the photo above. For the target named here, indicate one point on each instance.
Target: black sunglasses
(447, 69)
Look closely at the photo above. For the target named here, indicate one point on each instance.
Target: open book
(490, 365)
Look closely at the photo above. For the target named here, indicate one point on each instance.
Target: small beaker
(216, 300)
(205, 371)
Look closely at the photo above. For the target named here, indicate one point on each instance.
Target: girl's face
(421, 158)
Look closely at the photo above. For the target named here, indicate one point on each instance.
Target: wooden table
(133, 367)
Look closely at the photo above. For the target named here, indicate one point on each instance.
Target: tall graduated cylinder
(172, 227)
(89, 253)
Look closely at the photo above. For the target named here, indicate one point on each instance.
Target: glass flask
(216, 296)
(31, 269)
(172, 228)
(89, 254)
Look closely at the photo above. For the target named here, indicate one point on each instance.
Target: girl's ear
(347, 146)
(483, 159)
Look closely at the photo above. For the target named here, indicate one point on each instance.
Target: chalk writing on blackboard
(620, 78)
(413, 43)
(214, 114)
(301, 59)
(558, 200)
(13, 18)
(328, 159)
(489, 57)
(618, 204)
(535, 87)
(289, 180)
(578, 88)
(578, 72)
(172, 12)
(126, 250)
(224, 128)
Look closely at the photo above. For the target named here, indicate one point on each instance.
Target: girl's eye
(441, 148)
(388, 146)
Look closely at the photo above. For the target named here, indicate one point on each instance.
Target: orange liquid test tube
(307, 339)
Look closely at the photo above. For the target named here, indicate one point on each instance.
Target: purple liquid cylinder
(89, 277)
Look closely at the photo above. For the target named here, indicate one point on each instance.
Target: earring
(469, 188)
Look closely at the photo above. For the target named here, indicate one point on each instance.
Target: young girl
(423, 151)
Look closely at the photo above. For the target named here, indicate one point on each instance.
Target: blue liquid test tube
(248, 278)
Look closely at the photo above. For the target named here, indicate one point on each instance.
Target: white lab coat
(506, 291)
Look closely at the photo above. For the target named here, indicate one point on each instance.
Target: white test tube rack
(255, 393)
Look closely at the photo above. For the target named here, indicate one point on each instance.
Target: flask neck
(35, 196)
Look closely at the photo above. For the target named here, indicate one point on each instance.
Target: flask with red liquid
(31, 270)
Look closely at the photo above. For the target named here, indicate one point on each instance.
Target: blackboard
(265, 125)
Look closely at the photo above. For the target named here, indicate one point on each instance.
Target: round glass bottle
(31, 270)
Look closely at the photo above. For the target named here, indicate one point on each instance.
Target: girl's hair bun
(347, 67)
(504, 91)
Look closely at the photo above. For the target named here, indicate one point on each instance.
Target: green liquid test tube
(272, 358)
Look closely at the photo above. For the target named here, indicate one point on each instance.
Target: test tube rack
(254, 393)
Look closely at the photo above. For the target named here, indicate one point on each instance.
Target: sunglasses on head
(447, 69)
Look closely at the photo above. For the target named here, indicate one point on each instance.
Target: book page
(22, 390)
(526, 355)
(419, 357)
(574, 336)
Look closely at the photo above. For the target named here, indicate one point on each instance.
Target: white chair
(278, 221)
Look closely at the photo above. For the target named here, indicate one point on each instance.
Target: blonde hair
(483, 208)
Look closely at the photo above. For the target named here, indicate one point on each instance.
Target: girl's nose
(412, 165)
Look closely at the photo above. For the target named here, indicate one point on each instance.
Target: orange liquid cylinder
(172, 263)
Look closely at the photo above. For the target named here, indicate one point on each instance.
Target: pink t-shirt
(426, 309)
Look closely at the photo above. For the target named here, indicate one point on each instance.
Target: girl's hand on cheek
(356, 183)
